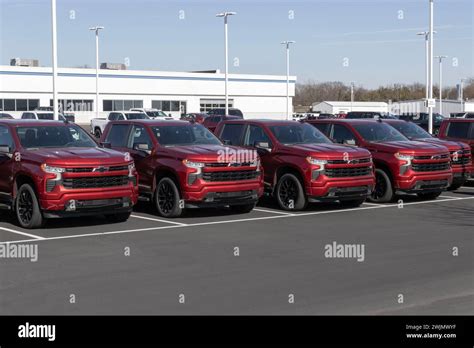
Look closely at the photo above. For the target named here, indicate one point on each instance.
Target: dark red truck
(183, 165)
(51, 169)
(460, 130)
(302, 165)
(461, 161)
(402, 166)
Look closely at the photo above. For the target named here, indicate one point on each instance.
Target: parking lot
(216, 262)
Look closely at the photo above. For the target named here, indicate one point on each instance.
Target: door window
(6, 137)
(140, 136)
(117, 136)
(232, 133)
(256, 134)
(342, 135)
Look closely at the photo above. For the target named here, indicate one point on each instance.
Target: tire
(290, 194)
(383, 191)
(454, 187)
(27, 209)
(354, 203)
(429, 195)
(167, 198)
(242, 209)
(121, 217)
(97, 133)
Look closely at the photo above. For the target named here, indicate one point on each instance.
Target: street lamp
(440, 59)
(352, 95)
(426, 35)
(54, 59)
(225, 15)
(287, 43)
(96, 29)
(430, 61)
(462, 94)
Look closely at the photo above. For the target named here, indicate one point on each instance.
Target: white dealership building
(258, 96)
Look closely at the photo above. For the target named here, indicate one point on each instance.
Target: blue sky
(377, 38)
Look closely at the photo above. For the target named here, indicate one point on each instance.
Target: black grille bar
(230, 175)
(95, 182)
(347, 172)
(429, 167)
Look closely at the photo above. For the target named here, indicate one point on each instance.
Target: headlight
(53, 170)
(131, 169)
(403, 157)
(316, 161)
(191, 164)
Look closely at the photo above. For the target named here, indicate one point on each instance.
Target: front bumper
(215, 195)
(423, 183)
(89, 202)
(340, 189)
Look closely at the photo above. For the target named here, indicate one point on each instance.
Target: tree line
(310, 92)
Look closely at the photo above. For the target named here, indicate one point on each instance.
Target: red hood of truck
(451, 145)
(209, 153)
(414, 147)
(328, 151)
(78, 156)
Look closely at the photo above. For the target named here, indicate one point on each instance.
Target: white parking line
(376, 204)
(466, 187)
(22, 233)
(452, 197)
(272, 211)
(158, 220)
(232, 221)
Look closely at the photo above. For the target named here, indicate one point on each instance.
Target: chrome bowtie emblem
(100, 169)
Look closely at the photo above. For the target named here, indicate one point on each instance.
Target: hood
(416, 147)
(451, 145)
(79, 156)
(328, 151)
(213, 153)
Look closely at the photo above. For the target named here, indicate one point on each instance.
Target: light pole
(96, 29)
(54, 59)
(225, 15)
(462, 94)
(426, 35)
(352, 95)
(440, 59)
(430, 61)
(287, 43)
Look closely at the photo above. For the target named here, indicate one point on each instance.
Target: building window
(18, 104)
(170, 105)
(73, 105)
(209, 104)
(121, 105)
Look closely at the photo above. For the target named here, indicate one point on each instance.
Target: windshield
(411, 130)
(298, 134)
(54, 136)
(136, 116)
(49, 116)
(156, 114)
(378, 132)
(187, 134)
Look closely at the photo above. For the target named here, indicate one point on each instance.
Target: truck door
(140, 146)
(7, 165)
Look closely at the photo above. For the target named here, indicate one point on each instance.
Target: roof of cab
(153, 122)
(23, 122)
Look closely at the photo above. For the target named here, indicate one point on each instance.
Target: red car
(401, 165)
(459, 129)
(302, 165)
(461, 161)
(211, 122)
(183, 165)
(194, 117)
(51, 169)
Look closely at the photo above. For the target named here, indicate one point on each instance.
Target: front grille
(226, 164)
(352, 161)
(461, 161)
(347, 172)
(95, 182)
(92, 169)
(230, 175)
(438, 157)
(429, 167)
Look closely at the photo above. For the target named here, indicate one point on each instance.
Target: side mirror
(227, 142)
(262, 145)
(142, 147)
(349, 142)
(106, 145)
(5, 149)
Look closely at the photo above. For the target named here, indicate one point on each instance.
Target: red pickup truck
(183, 165)
(401, 165)
(461, 161)
(302, 165)
(51, 169)
(459, 129)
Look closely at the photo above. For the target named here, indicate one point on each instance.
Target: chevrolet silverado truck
(183, 165)
(401, 166)
(460, 130)
(302, 165)
(53, 169)
(461, 161)
(98, 124)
